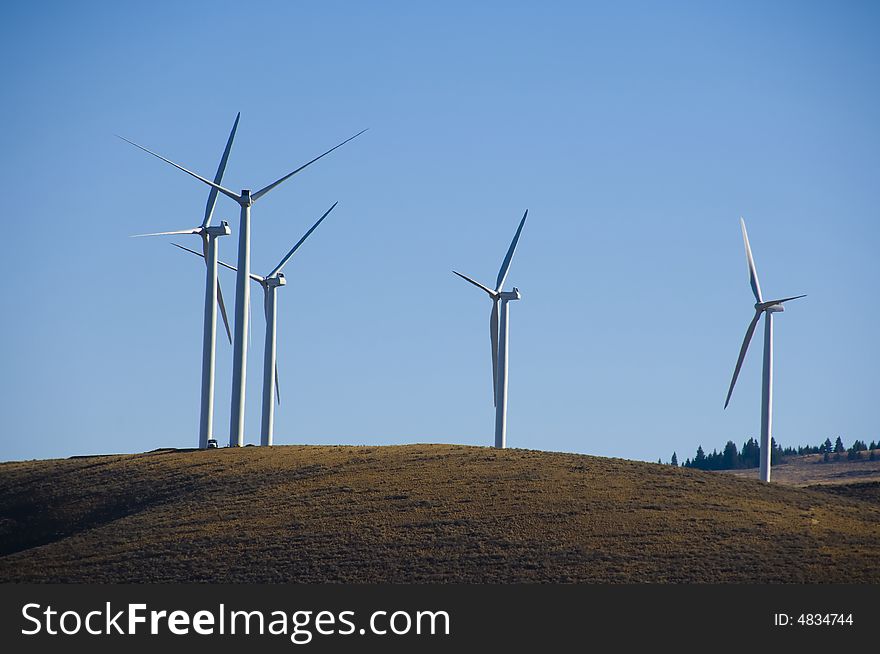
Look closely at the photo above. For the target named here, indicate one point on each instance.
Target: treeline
(732, 458)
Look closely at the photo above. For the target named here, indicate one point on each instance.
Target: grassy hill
(419, 513)
(810, 470)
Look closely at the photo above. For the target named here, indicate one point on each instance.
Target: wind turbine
(242, 289)
(270, 284)
(499, 336)
(213, 295)
(767, 308)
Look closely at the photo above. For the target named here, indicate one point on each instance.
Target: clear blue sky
(635, 133)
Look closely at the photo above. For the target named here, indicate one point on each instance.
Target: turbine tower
(213, 295)
(245, 199)
(499, 336)
(767, 309)
(270, 284)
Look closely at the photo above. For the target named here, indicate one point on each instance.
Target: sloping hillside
(419, 513)
(811, 470)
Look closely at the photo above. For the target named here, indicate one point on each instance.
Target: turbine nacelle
(218, 230)
(775, 306)
(510, 295)
(275, 281)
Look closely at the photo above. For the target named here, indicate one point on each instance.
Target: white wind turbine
(270, 284)
(767, 309)
(213, 295)
(499, 336)
(242, 289)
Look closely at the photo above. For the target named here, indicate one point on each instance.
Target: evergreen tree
(730, 457)
(751, 454)
(775, 452)
(857, 446)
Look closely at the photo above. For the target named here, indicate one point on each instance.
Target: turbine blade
(223, 312)
(505, 265)
(785, 299)
(224, 191)
(205, 248)
(194, 230)
(493, 335)
(477, 284)
(212, 195)
(229, 266)
(277, 388)
(300, 242)
(220, 302)
(256, 278)
(742, 354)
(753, 273)
(256, 196)
(183, 247)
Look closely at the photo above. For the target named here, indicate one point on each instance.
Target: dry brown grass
(811, 470)
(418, 513)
